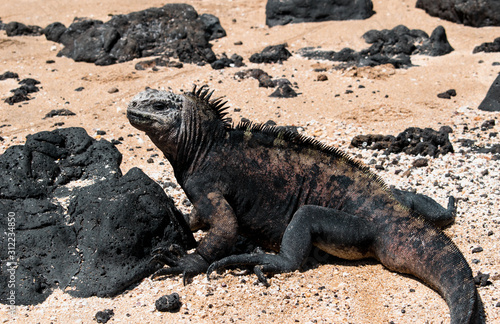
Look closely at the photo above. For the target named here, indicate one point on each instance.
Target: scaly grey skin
(288, 192)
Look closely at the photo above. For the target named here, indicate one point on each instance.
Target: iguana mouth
(137, 117)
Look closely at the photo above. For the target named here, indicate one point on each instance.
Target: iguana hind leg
(333, 231)
(427, 207)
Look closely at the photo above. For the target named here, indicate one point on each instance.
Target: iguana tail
(413, 246)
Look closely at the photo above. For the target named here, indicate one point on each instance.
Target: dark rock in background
(79, 224)
(223, 62)
(21, 94)
(437, 44)
(271, 54)
(54, 31)
(283, 90)
(104, 316)
(265, 79)
(284, 86)
(475, 13)
(8, 75)
(213, 27)
(15, 28)
(388, 46)
(447, 94)
(488, 47)
(282, 12)
(174, 30)
(159, 61)
(59, 112)
(413, 141)
(492, 100)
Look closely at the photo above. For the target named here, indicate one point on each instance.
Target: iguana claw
(249, 259)
(189, 265)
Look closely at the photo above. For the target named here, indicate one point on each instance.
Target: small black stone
(447, 94)
(8, 75)
(271, 54)
(168, 303)
(59, 112)
(482, 279)
(477, 249)
(104, 316)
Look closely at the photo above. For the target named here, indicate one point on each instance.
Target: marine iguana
(289, 192)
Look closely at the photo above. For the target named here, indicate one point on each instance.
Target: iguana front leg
(214, 209)
(333, 231)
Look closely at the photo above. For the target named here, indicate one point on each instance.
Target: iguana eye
(160, 105)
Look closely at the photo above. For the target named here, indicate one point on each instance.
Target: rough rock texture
(79, 224)
(283, 90)
(28, 86)
(174, 30)
(413, 141)
(282, 12)
(476, 13)
(488, 47)
(15, 28)
(223, 62)
(265, 80)
(388, 47)
(8, 75)
(492, 100)
(393, 46)
(271, 54)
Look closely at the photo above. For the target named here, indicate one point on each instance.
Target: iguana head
(154, 111)
(173, 120)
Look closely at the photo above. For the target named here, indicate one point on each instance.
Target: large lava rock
(388, 46)
(174, 30)
(492, 100)
(476, 13)
(282, 12)
(413, 141)
(78, 223)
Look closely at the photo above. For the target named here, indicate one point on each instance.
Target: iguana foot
(179, 263)
(269, 263)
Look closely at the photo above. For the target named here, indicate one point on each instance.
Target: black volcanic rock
(212, 26)
(437, 44)
(488, 47)
(21, 94)
(282, 12)
(59, 112)
(413, 141)
(223, 61)
(265, 79)
(283, 90)
(174, 30)
(271, 54)
(15, 28)
(492, 100)
(475, 13)
(8, 75)
(54, 31)
(394, 46)
(79, 224)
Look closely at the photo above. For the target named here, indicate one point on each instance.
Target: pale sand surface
(392, 100)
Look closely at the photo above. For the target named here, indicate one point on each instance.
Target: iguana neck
(196, 138)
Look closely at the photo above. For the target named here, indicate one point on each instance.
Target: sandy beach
(389, 101)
